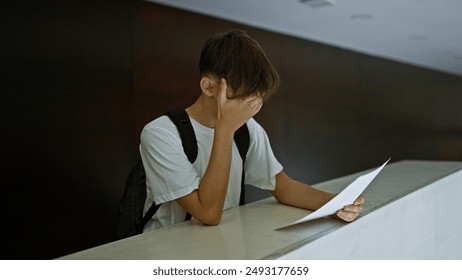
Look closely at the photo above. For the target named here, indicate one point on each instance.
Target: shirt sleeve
(261, 165)
(169, 174)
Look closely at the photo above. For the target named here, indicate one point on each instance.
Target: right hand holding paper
(345, 197)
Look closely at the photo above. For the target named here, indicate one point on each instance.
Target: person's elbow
(280, 196)
(280, 192)
(212, 218)
(206, 213)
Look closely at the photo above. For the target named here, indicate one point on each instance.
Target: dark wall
(83, 79)
(66, 123)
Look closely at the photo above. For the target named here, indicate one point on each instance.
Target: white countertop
(248, 232)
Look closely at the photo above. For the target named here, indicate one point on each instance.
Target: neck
(204, 111)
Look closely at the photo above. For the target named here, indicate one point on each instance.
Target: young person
(236, 78)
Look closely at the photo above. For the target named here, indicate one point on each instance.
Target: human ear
(208, 86)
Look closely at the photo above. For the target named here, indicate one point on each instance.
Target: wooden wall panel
(337, 111)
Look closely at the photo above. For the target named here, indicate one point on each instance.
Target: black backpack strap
(188, 139)
(242, 139)
(151, 211)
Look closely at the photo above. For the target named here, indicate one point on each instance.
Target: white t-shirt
(170, 175)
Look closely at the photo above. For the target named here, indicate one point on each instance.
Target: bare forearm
(298, 194)
(206, 203)
(214, 184)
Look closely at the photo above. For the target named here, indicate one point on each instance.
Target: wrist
(224, 130)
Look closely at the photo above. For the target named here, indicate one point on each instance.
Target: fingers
(353, 208)
(222, 90)
(255, 103)
(257, 109)
(351, 211)
(252, 98)
(252, 103)
(360, 200)
(347, 216)
(233, 111)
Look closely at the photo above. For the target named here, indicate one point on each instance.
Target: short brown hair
(238, 58)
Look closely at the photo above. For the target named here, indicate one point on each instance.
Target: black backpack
(130, 208)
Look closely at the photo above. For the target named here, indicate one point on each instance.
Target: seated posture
(236, 79)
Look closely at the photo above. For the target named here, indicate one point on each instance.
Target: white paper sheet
(345, 197)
